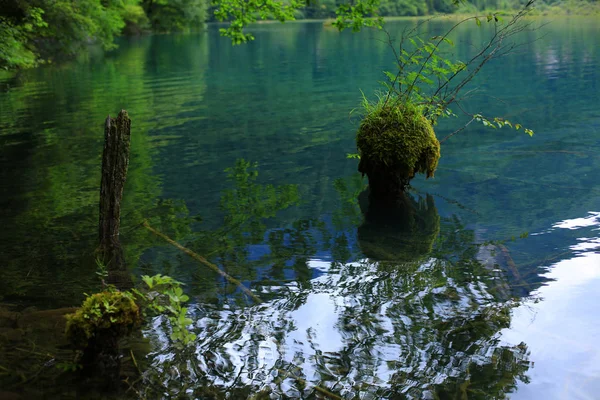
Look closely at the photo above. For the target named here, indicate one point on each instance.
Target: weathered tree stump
(395, 142)
(387, 185)
(115, 161)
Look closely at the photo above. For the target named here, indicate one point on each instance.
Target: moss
(395, 140)
(108, 311)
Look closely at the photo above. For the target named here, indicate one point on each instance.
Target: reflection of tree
(52, 174)
(402, 232)
(424, 324)
(236, 244)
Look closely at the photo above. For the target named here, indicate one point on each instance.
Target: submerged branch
(204, 261)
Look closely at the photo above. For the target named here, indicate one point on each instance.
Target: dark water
(357, 301)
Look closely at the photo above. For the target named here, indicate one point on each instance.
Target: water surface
(405, 303)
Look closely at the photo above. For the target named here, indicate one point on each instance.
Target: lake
(482, 286)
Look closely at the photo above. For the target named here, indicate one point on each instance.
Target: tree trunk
(115, 160)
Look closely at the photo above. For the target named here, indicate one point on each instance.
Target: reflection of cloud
(576, 223)
(358, 329)
(562, 332)
(551, 62)
(586, 244)
(317, 316)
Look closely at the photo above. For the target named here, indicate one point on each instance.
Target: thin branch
(457, 131)
(204, 261)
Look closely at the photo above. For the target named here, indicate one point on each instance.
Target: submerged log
(115, 161)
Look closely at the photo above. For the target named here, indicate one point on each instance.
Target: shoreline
(481, 14)
(6, 74)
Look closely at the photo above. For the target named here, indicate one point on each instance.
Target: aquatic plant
(105, 318)
(165, 295)
(395, 142)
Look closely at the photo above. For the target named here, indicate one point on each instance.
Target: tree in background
(32, 31)
(35, 30)
(175, 15)
(16, 27)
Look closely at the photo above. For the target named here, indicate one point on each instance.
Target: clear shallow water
(385, 303)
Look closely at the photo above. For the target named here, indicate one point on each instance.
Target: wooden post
(115, 160)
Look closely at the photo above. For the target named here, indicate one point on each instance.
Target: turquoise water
(435, 299)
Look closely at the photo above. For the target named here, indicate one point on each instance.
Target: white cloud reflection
(562, 330)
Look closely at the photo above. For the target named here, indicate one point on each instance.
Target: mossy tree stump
(395, 142)
(115, 162)
(96, 328)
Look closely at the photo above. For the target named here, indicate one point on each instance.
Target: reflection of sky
(303, 328)
(591, 220)
(317, 330)
(562, 330)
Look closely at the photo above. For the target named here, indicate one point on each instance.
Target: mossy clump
(395, 142)
(110, 313)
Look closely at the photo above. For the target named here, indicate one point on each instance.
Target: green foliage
(396, 136)
(120, 311)
(358, 15)
(420, 65)
(249, 202)
(70, 24)
(31, 31)
(164, 294)
(499, 123)
(109, 310)
(15, 50)
(244, 12)
(135, 18)
(426, 77)
(175, 15)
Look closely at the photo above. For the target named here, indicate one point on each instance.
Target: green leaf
(148, 281)
(390, 76)
(477, 21)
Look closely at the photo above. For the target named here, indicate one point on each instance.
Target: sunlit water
(405, 303)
